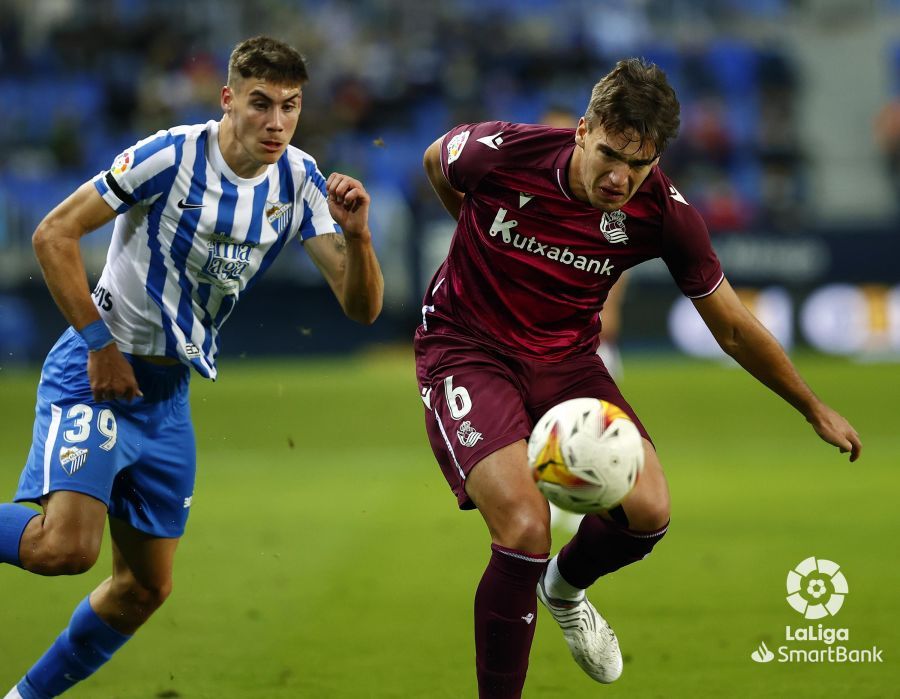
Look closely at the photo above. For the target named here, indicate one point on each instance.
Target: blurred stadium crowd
(84, 79)
(80, 80)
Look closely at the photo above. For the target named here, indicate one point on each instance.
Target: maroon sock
(505, 618)
(600, 547)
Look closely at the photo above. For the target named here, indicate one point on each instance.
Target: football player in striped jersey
(200, 214)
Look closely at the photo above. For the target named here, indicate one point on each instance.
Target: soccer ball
(585, 455)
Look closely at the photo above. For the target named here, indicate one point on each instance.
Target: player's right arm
(744, 338)
(451, 198)
(57, 246)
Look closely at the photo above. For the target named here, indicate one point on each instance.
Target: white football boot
(591, 641)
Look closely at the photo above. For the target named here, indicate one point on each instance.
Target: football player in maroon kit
(548, 218)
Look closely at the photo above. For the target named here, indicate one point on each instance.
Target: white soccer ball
(585, 455)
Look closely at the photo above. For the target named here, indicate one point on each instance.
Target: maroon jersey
(530, 265)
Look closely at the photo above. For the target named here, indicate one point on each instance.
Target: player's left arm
(745, 339)
(348, 261)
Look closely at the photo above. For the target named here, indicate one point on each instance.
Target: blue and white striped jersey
(191, 236)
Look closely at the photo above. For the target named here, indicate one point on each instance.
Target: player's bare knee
(143, 596)
(152, 596)
(652, 517)
(528, 529)
(648, 507)
(55, 556)
(58, 550)
(650, 512)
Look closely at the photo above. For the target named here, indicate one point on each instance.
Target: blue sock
(13, 520)
(77, 653)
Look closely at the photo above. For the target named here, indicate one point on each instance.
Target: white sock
(557, 587)
(13, 694)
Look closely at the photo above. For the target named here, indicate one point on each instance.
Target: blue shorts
(137, 457)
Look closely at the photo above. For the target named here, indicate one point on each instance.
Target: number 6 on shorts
(457, 399)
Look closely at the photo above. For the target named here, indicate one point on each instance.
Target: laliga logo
(816, 588)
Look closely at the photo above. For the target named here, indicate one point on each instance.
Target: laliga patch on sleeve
(456, 145)
(123, 162)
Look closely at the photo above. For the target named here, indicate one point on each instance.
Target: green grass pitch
(325, 556)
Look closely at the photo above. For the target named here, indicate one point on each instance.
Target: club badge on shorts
(468, 435)
(72, 458)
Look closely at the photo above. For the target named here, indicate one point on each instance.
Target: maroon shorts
(478, 400)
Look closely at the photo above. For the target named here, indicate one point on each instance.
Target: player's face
(607, 168)
(263, 118)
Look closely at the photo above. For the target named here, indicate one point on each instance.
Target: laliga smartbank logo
(816, 588)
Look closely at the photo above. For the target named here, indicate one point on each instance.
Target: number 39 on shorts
(457, 399)
(81, 417)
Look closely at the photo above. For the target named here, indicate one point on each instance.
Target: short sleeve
(688, 250)
(316, 218)
(140, 172)
(471, 151)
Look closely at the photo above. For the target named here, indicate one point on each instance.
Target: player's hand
(834, 429)
(348, 204)
(111, 376)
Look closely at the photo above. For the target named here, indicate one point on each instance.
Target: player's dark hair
(635, 98)
(268, 59)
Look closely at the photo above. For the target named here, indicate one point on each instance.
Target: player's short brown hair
(635, 97)
(269, 59)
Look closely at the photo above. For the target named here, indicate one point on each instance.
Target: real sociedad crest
(468, 436)
(278, 214)
(612, 225)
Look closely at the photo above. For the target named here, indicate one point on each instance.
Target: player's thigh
(154, 494)
(503, 490)
(66, 540)
(74, 516)
(473, 408)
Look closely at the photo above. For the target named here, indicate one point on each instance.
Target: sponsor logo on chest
(505, 230)
(226, 261)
